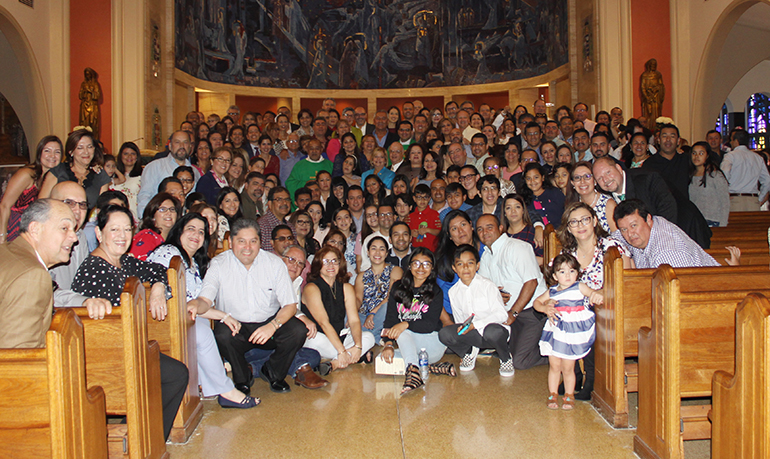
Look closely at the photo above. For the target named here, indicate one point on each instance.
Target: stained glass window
(723, 121)
(757, 111)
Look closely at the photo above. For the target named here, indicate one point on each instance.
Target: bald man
(74, 196)
(26, 296)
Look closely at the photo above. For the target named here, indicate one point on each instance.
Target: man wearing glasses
(180, 148)
(278, 207)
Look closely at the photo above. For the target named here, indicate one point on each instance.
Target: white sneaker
(506, 368)
(469, 360)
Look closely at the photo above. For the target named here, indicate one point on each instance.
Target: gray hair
(39, 211)
(294, 246)
(243, 223)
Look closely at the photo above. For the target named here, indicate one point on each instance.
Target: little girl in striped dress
(569, 333)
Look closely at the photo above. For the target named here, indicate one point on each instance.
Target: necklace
(593, 201)
(334, 289)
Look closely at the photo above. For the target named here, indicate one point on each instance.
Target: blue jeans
(410, 344)
(379, 321)
(258, 357)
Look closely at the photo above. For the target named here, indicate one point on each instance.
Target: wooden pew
(626, 308)
(176, 337)
(225, 244)
(741, 407)
(741, 218)
(551, 244)
(692, 335)
(45, 408)
(120, 358)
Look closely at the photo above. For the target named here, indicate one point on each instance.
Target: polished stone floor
(360, 414)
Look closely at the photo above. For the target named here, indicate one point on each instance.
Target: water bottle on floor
(423, 358)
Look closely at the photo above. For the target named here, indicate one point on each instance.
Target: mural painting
(364, 44)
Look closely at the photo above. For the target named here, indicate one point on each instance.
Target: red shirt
(428, 218)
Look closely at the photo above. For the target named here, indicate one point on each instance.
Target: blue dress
(573, 334)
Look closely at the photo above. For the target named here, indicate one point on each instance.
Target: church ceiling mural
(363, 44)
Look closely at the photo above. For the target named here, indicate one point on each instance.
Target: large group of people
(346, 240)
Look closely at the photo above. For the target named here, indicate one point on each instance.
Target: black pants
(173, 382)
(525, 336)
(495, 336)
(286, 341)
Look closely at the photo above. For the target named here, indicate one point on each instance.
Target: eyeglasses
(371, 215)
(163, 210)
(337, 243)
(330, 261)
(528, 160)
(284, 238)
(304, 222)
(585, 221)
(424, 264)
(488, 189)
(386, 214)
(492, 168)
(582, 178)
(467, 177)
(281, 199)
(186, 180)
(83, 205)
(294, 261)
(224, 160)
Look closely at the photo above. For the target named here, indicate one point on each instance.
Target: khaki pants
(744, 204)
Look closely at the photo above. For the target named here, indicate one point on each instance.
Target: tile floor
(360, 414)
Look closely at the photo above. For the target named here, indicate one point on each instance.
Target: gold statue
(90, 92)
(652, 92)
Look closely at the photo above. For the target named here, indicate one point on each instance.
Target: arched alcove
(728, 56)
(20, 79)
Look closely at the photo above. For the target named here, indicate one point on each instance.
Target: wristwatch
(515, 314)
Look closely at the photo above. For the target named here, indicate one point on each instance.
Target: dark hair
(243, 223)
(630, 207)
(72, 143)
(221, 197)
(108, 196)
(568, 241)
(406, 199)
(438, 159)
(104, 215)
(672, 126)
(302, 190)
(422, 188)
(455, 187)
(740, 136)
(282, 226)
(453, 168)
(601, 112)
(396, 223)
(192, 198)
(148, 217)
(559, 260)
(402, 178)
(333, 224)
(164, 183)
(524, 215)
(317, 264)
(465, 248)
(275, 190)
(181, 169)
(38, 166)
(135, 171)
(491, 179)
(403, 290)
(525, 191)
(628, 153)
(377, 199)
(376, 238)
(201, 256)
(601, 134)
(445, 248)
(710, 168)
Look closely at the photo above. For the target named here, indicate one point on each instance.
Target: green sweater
(303, 171)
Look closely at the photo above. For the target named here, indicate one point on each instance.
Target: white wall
(756, 80)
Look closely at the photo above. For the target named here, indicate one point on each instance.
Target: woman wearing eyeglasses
(582, 236)
(327, 300)
(159, 217)
(303, 224)
(215, 179)
(583, 181)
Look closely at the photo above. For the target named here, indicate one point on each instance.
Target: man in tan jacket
(26, 290)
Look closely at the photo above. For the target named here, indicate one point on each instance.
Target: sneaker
(506, 368)
(469, 360)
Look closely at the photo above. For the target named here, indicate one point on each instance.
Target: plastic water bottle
(423, 357)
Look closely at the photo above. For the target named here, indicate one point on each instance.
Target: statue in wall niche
(89, 95)
(652, 92)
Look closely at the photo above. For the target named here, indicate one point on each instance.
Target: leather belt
(753, 195)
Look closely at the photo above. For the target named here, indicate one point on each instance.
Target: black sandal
(412, 379)
(442, 368)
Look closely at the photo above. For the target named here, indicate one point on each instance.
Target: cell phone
(502, 290)
(466, 324)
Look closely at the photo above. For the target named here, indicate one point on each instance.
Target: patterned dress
(601, 211)
(26, 198)
(375, 289)
(593, 274)
(573, 333)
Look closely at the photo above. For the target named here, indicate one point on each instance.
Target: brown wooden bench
(626, 308)
(757, 218)
(225, 244)
(176, 337)
(692, 335)
(120, 358)
(740, 411)
(46, 409)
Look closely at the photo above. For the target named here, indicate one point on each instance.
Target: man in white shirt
(744, 169)
(511, 265)
(254, 287)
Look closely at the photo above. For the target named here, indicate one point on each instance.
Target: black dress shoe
(244, 388)
(280, 386)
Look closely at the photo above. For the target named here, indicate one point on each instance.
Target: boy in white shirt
(476, 295)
